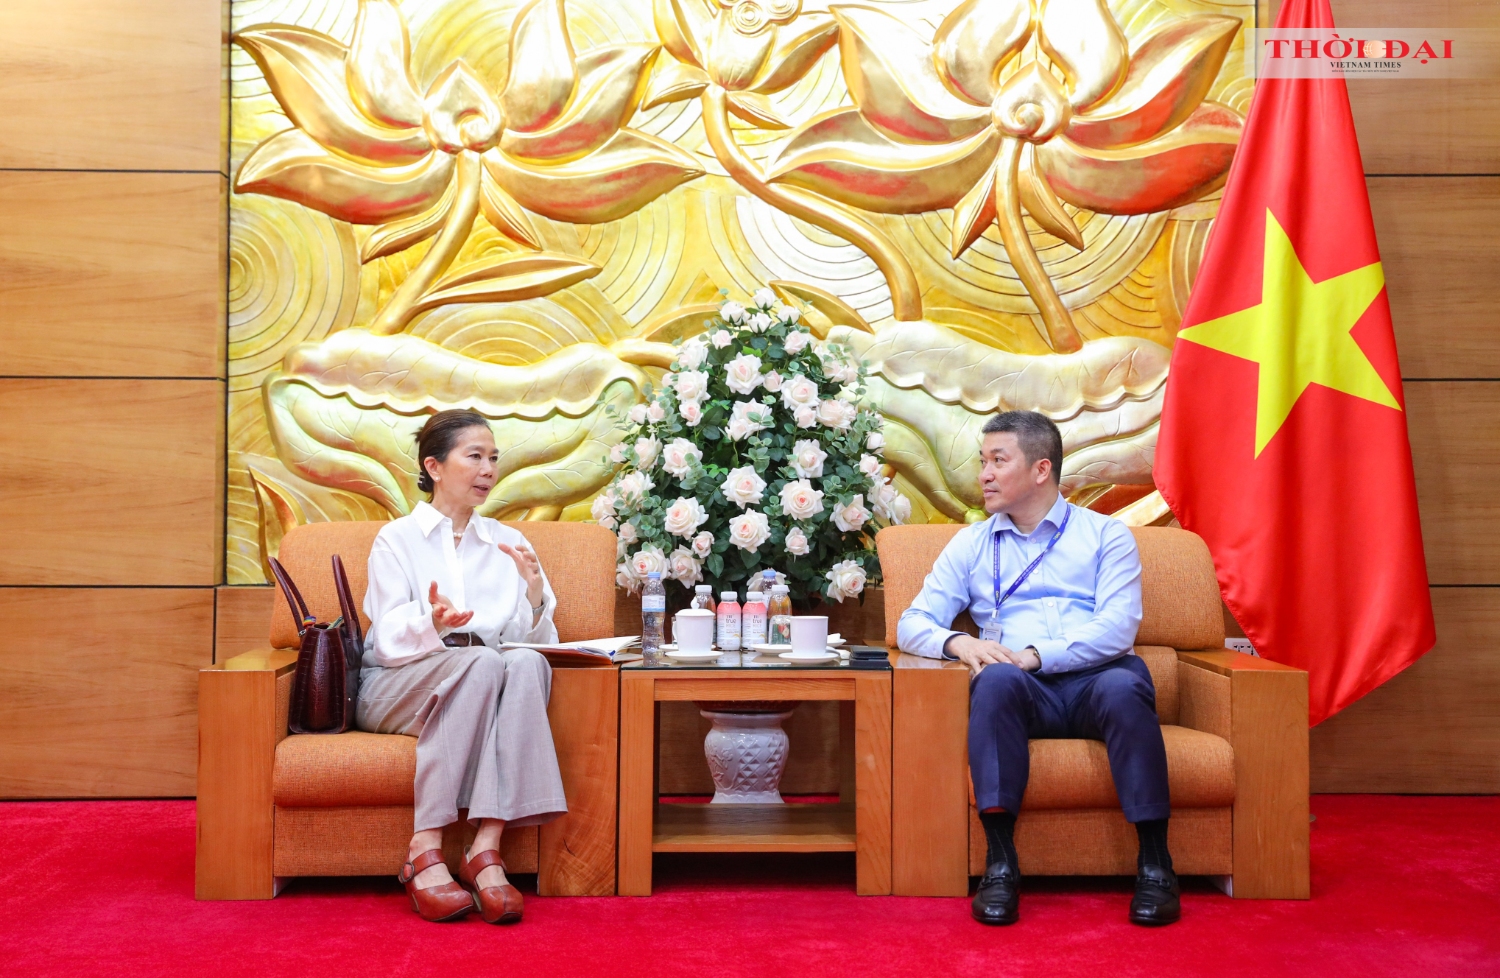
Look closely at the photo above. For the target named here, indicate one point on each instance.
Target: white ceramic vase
(746, 756)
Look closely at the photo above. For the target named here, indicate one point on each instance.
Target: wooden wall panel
(1434, 727)
(112, 274)
(1437, 241)
(112, 482)
(101, 690)
(1455, 436)
(242, 617)
(112, 85)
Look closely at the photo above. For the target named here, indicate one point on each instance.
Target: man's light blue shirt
(1080, 607)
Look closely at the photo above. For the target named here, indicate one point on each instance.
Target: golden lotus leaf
(610, 85)
(891, 77)
(1082, 39)
(378, 67)
(1169, 171)
(292, 165)
(509, 279)
(976, 40)
(306, 72)
(630, 171)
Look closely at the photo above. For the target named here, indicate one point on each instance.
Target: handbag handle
(294, 601)
(346, 604)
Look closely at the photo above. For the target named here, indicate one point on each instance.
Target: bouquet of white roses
(754, 454)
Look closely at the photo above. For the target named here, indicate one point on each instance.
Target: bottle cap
(768, 574)
(654, 575)
(704, 589)
(780, 589)
(729, 596)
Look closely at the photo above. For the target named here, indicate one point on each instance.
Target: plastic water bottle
(703, 597)
(653, 612)
(780, 612)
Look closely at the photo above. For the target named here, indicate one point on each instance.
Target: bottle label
(653, 602)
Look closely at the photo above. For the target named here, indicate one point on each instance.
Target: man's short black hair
(1035, 433)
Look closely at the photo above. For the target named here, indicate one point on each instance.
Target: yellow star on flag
(1299, 334)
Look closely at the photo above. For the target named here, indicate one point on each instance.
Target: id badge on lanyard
(991, 631)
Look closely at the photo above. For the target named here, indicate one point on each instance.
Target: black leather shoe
(999, 898)
(1157, 897)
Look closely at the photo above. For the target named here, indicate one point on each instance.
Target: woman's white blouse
(476, 575)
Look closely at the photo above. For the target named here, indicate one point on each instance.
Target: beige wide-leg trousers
(483, 742)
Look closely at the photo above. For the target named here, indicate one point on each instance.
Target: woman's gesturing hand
(444, 615)
(530, 568)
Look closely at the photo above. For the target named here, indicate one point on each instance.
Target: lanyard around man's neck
(1000, 598)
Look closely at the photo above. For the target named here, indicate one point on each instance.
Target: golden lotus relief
(518, 206)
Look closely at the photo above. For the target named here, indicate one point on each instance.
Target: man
(1056, 592)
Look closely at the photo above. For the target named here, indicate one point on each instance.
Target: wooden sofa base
(372, 841)
(1099, 842)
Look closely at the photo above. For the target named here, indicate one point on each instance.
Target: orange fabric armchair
(1235, 728)
(273, 805)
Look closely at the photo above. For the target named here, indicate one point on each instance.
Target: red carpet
(1401, 886)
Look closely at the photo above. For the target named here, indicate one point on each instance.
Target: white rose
(771, 382)
(690, 355)
(834, 413)
(875, 442)
(882, 497)
(648, 560)
(868, 464)
(746, 418)
(808, 458)
(683, 517)
(703, 543)
(617, 452)
(764, 298)
(749, 530)
(796, 342)
(733, 312)
(625, 576)
(685, 567)
(901, 509)
(799, 392)
(679, 455)
(853, 516)
(800, 500)
(759, 323)
(646, 451)
(633, 486)
(742, 374)
(628, 534)
(805, 417)
(604, 506)
(637, 414)
(692, 413)
(739, 429)
(845, 580)
(796, 542)
(785, 313)
(655, 413)
(743, 486)
(691, 385)
(721, 339)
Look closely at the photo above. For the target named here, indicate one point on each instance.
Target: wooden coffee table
(861, 825)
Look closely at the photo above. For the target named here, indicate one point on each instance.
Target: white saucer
(767, 649)
(674, 653)
(810, 656)
(835, 640)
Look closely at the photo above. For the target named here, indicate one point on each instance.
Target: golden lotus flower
(368, 148)
(935, 125)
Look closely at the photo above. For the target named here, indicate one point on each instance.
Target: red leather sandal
(497, 904)
(446, 901)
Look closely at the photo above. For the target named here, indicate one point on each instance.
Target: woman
(448, 586)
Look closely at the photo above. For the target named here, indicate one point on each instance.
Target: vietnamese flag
(1283, 435)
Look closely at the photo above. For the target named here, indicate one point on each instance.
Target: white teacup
(809, 633)
(693, 630)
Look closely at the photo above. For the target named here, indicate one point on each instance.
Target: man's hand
(444, 615)
(976, 653)
(1028, 659)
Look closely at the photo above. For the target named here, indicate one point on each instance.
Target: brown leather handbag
(325, 685)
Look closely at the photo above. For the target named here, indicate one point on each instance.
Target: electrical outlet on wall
(1241, 645)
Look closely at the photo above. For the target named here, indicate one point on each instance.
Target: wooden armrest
(1260, 707)
(241, 718)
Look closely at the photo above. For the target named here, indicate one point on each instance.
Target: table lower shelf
(754, 828)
